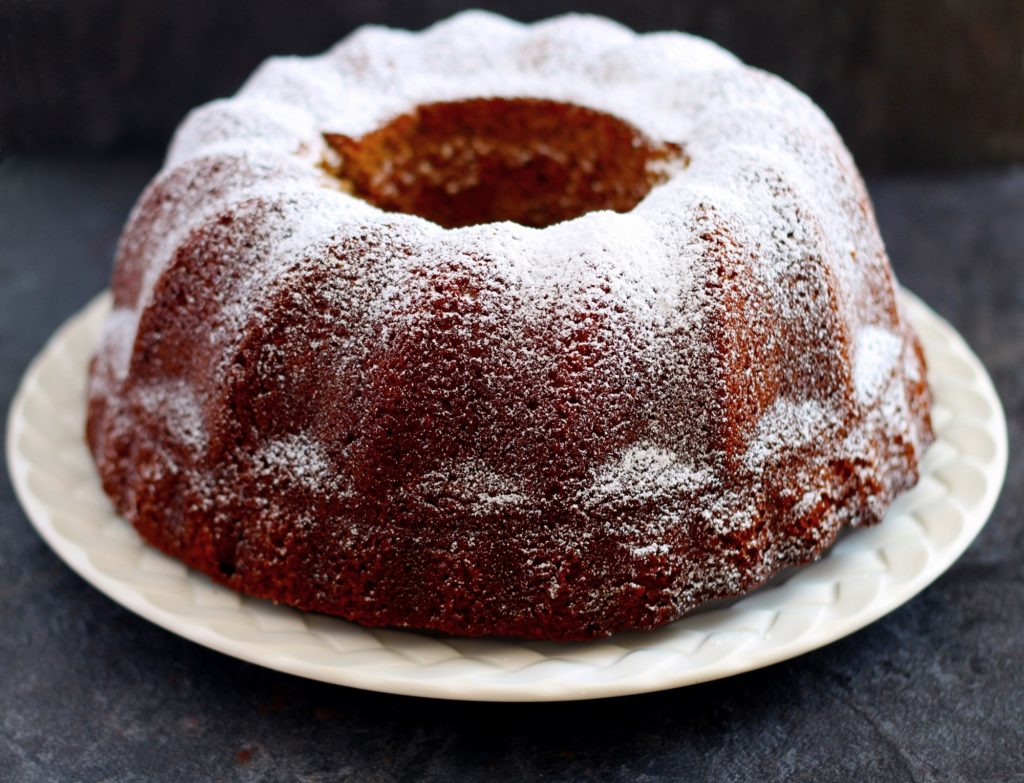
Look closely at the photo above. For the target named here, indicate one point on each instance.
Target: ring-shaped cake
(546, 330)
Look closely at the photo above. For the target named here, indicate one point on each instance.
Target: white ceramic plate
(868, 573)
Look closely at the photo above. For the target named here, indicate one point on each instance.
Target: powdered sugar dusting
(876, 353)
(176, 405)
(474, 485)
(787, 426)
(670, 362)
(647, 470)
(298, 456)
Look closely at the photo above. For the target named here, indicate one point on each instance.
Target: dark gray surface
(909, 83)
(933, 692)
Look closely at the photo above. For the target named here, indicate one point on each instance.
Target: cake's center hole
(531, 161)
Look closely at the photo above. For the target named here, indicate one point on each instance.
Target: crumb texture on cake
(650, 373)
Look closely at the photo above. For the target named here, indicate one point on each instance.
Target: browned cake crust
(553, 433)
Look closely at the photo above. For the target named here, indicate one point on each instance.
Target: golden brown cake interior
(530, 161)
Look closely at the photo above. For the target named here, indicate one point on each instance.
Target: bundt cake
(545, 331)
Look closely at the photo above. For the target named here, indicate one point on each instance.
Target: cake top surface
(741, 127)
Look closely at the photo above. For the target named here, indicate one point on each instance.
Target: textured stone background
(909, 83)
